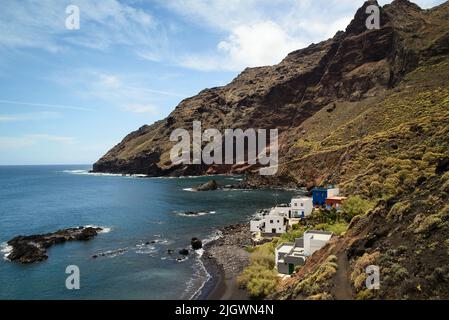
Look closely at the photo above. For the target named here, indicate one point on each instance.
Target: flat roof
(302, 198)
(285, 247)
(328, 233)
(336, 198)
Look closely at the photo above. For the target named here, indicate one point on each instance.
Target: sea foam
(6, 250)
(102, 174)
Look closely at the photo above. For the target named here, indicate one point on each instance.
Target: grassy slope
(386, 153)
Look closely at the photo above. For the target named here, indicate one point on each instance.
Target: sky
(68, 96)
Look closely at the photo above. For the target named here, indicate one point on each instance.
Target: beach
(225, 259)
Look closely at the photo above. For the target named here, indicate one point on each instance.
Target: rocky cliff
(336, 75)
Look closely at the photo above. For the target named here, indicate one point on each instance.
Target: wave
(111, 253)
(102, 174)
(146, 249)
(104, 229)
(6, 250)
(193, 289)
(194, 214)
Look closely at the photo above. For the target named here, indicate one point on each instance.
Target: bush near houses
(261, 279)
(355, 206)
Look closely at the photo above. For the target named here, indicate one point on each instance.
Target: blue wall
(319, 196)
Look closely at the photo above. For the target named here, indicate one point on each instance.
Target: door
(291, 268)
(273, 230)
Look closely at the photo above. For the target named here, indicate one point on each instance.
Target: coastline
(224, 259)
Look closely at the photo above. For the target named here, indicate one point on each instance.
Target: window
(302, 204)
(271, 221)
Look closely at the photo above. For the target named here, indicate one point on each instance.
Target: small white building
(333, 192)
(275, 221)
(270, 224)
(301, 207)
(290, 255)
(282, 210)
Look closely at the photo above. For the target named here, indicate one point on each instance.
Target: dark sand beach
(225, 258)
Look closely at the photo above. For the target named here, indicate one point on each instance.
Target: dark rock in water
(191, 213)
(184, 252)
(196, 244)
(30, 249)
(110, 253)
(170, 251)
(208, 186)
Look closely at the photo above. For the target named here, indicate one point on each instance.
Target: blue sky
(68, 96)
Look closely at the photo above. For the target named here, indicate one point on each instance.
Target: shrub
(258, 281)
(433, 221)
(398, 210)
(358, 276)
(366, 294)
(445, 187)
(355, 206)
(263, 255)
(429, 224)
(259, 278)
(321, 296)
(313, 284)
(337, 228)
(324, 216)
(296, 226)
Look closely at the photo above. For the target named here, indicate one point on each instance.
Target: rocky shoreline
(225, 259)
(30, 249)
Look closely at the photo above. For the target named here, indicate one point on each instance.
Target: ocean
(142, 219)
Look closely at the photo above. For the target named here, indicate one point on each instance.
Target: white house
(270, 224)
(273, 222)
(282, 210)
(301, 207)
(290, 255)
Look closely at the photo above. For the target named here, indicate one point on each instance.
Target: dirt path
(342, 289)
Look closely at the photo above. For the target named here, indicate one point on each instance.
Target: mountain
(342, 75)
(368, 110)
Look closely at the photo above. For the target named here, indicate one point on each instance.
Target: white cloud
(251, 32)
(41, 24)
(252, 45)
(49, 137)
(31, 140)
(29, 116)
(44, 105)
(262, 32)
(261, 43)
(141, 108)
(125, 92)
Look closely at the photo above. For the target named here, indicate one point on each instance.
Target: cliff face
(351, 68)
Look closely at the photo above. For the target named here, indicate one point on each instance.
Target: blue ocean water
(134, 211)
